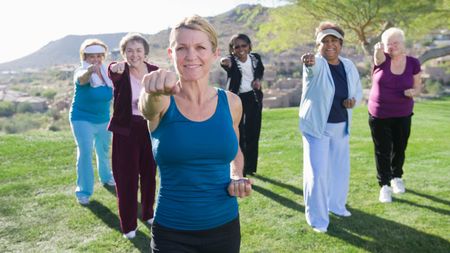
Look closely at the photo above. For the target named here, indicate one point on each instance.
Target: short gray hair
(393, 31)
(137, 37)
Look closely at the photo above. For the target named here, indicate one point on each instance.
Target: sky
(28, 25)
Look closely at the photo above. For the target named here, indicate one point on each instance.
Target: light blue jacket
(318, 93)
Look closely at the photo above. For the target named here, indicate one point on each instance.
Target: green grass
(39, 213)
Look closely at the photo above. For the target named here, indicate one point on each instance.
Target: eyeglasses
(239, 46)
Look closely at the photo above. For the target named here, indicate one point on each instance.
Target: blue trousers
(87, 136)
(326, 173)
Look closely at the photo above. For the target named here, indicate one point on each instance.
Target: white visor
(324, 33)
(94, 49)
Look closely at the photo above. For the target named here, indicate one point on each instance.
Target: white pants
(326, 172)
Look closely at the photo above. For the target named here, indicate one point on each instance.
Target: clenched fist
(349, 103)
(161, 82)
(94, 68)
(308, 59)
(118, 67)
(226, 62)
(379, 47)
(241, 187)
(409, 93)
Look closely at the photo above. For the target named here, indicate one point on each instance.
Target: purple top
(387, 99)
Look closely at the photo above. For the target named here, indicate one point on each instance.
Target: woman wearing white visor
(89, 117)
(331, 88)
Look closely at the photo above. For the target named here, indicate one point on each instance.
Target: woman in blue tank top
(195, 143)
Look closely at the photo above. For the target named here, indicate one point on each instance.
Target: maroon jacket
(121, 119)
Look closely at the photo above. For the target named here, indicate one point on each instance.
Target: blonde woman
(89, 117)
(195, 135)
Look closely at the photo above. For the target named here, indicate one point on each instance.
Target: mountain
(244, 19)
(62, 51)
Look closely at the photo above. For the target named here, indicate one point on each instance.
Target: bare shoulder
(233, 99)
(235, 104)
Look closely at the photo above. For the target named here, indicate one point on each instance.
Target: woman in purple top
(395, 81)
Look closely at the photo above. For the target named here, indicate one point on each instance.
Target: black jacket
(234, 74)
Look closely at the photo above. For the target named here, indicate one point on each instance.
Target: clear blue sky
(28, 25)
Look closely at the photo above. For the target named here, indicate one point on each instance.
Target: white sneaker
(150, 221)
(83, 200)
(320, 230)
(385, 194)
(397, 185)
(346, 213)
(111, 182)
(130, 235)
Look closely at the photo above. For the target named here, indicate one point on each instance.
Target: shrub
(7, 109)
(432, 87)
(53, 128)
(22, 122)
(9, 127)
(24, 107)
(49, 94)
(54, 114)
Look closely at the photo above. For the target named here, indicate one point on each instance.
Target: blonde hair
(137, 37)
(391, 32)
(195, 23)
(90, 42)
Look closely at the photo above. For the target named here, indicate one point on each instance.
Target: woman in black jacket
(245, 71)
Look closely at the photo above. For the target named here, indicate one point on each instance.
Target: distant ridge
(62, 51)
(244, 18)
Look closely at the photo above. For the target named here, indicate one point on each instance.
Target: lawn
(39, 213)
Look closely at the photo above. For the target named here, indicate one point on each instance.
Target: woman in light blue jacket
(331, 88)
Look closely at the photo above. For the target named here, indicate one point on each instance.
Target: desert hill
(243, 18)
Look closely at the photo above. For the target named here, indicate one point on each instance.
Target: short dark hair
(239, 36)
(330, 25)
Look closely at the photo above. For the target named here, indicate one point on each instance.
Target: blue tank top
(194, 167)
(91, 104)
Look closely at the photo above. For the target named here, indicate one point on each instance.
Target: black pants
(250, 128)
(390, 138)
(223, 239)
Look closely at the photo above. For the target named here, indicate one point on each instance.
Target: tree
(364, 21)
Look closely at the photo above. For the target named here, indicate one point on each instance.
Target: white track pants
(326, 172)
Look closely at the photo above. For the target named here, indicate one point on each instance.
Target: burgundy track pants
(133, 163)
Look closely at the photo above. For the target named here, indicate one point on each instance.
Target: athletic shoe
(346, 213)
(111, 182)
(83, 200)
(320, 230)
(385, 194)
(397, 185)
(130, 235)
